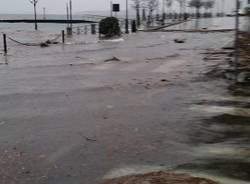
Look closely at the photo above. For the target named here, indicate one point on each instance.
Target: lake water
(46, 27)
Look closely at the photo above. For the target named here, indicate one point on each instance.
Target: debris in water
(112, 59)
(164, 80)
(179, 40)
(48, 42)
(90, 139)
(44, 44)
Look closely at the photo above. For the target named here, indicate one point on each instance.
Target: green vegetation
(109, 27)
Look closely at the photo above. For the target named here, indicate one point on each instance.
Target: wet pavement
(217, 23)
(71, 114)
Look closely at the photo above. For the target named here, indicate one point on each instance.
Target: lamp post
(126, 21)
(163, 12)
(44, 13)
(236, 44)
(70, 13)
(34, 2)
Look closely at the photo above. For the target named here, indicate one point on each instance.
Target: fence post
(78, 31)
(5, 44)
(133, 26)
(93, 29)
(63, 36)
(85, 29)
(69, 31)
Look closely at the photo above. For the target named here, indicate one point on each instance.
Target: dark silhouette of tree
(208, 4)
(137, 5)
(144, 16)
(182, 4)
(197, 4)
(151, 5)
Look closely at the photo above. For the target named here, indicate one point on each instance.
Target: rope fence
(34, 44)
(92, 28)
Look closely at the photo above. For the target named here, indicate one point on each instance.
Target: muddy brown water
(144, 114)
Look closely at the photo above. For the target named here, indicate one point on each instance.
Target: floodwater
(71, 114)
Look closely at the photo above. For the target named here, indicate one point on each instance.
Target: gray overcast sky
(58, 6)
(53, 6)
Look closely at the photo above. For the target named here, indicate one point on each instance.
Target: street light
(163, 12)
(236, 44)
(126, 21)
(34, 2)
(44, 13)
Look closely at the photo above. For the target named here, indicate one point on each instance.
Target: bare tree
(223, 7)
(151, 5)
(182, 4)
(34, 2)
(197, 4)
(144, 16)
(137, 5)
(168, 4)
(209, 4)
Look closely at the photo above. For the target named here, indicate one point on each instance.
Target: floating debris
(179, 40)
(44, 44)
(90, 139)
(112, 59)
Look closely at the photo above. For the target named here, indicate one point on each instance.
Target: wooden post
(126, 20)
(85, 29)
(35, 2)
(93, 29)
(133, 26)
(5, 44)
(69, 31)
(63, 36)
(70, 14)
(67, 10)
(44, 13)
(78, 30)
(236, 42)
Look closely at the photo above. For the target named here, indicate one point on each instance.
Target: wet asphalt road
(67, 116)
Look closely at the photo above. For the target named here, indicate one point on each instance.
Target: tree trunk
(198, 12)
(138, 17)
(144, 17)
